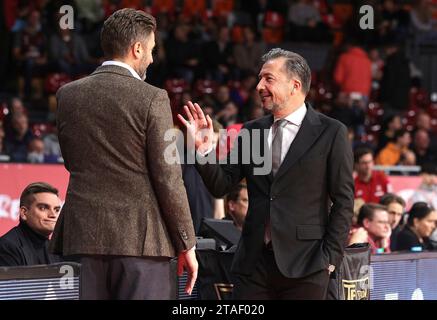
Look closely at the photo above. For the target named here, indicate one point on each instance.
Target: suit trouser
(127, 278)
(267, 283)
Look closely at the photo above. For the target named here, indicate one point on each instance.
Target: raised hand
(199, 128)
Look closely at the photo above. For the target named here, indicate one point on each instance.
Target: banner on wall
(15, 177)
(405, 186)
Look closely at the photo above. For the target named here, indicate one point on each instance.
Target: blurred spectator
(421, 16)
(353, 72)
(427, 191)
(182, 53)
(52, 150)
(395, 208)
(390, 125)
(2, 137)
(391, 154)
(69, 52)
(36, 151)
(350, 114)
(408, 158)
(423, 121)
(305, 23)
(18, 140)
(369, 185)
(222, 97)
(15, 107)
(89, 13)
(396, 79)
(374, 228)
(30, 53)
(27, 244)
(377, 67)
(421, 222)
(256, 112)
(422, 148)
(253, 108)
(241, 94)
(218, 56)
(157, 71)
(236, 205)
(228, 115)
(395, 22)
(247, 55)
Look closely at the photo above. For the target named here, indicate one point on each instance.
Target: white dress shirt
(290, 130)
(123, 65)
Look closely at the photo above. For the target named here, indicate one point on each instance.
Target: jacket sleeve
(341, 192)
(221, 178)
(166, 178)
(10, 255)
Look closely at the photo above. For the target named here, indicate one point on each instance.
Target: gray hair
(295, 64)
(123, 28)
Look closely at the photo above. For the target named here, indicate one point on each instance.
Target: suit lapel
(310, 130)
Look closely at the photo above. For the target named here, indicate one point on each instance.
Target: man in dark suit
(299, 213)
(126, 211)
(27, 243)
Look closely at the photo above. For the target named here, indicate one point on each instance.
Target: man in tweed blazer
(126, 211)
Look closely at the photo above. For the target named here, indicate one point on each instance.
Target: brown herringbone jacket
(123, 198)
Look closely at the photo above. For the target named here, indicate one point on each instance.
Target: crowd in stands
(209, 51)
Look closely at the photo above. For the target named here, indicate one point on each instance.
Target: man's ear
(23, 213)
(231, 206)
(137, 49)
(366, 223)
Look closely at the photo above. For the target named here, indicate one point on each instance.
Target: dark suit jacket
(122, 198)
(308, 232)
(22, 246)
(407, 239)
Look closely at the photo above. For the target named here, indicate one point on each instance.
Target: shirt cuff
(204, 154)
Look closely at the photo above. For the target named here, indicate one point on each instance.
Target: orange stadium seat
(273, 32)
(222, 8)
(163, 6)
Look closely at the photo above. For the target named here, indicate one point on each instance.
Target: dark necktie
(278, 128)
(277, 144)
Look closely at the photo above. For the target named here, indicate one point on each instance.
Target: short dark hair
(391, 198)
(234, 195)
(27, 196)
(367, 211)
(295, 65)
(123, 28)
(360, 152)
(399, 133)
(419, 210)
